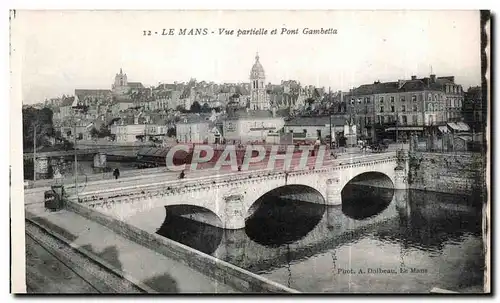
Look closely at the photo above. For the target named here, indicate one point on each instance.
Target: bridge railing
(209, 178)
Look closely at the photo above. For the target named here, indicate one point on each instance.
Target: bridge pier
(233, 213)
(401, 171)
(333, 191)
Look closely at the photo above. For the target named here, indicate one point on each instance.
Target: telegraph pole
(330, 115)
(76, 160)
(397, 122)
(34, 153)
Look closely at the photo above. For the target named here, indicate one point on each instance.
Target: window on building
(381, 99)
(392, 99)
(414, 98)
(403, 108)
(367, 99)
(414, 119)
(415, 108)
(368, 120)
(404, 119)
(304, 130)
(291, 131)
(435, 97)
(380, 119)
(429, 97)
(392, 108)
(381, 109)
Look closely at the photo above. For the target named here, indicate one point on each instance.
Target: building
(193, 129)
(251, 126)
(258, 95)
(128, 133)
(121, 86)
(66, 109)
(314, 128)
(415, 105)
(93, 96)
(473, 108)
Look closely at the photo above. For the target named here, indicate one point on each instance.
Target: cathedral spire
(257, 57)
(121, 71)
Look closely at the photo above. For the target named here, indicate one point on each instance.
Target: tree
(39, 120)
(206, 108)
(104, 131)
(171, 132)
(195, 107)
(94, 132)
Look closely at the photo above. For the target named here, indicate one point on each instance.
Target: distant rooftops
(414, 84)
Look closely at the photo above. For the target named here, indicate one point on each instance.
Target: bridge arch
(195, 226)
(371, 178)
(367, 194)
(298, 192)
(280, 216)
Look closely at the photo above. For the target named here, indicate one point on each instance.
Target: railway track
(53, 265)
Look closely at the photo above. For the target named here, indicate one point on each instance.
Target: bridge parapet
(231, 196)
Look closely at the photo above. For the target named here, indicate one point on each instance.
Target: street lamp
(78, 108)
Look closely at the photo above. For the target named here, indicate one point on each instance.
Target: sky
(60, 51)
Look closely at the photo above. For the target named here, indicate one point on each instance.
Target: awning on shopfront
(454, 126)
(443, 129)
(407, 128)
(463, 126)
(459, 126)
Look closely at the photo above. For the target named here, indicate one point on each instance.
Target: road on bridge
(36, 195)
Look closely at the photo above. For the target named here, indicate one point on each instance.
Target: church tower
(121, 84)
(258, 96)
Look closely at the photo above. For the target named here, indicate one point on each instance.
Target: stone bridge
(231, 198)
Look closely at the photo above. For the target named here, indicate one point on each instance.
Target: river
(378, 241)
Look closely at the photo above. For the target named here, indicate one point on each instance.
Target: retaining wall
(457, 173)
(221, 271)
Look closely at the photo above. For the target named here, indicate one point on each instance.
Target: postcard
(216, 152)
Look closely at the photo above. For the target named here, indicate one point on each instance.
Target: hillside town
(260, 112)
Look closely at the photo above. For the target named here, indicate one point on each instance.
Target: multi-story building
(416, 105)
(66, 109)
(193, 129)
(128, 130)
(473, 108)
(93, 96)
(251, 126)
(316, 127)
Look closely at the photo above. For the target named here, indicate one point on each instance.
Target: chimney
(414, 77)
(433, 78)
(426, 81)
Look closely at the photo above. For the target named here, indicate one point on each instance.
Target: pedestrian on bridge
(116, 173)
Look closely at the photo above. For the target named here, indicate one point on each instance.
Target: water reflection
(178, 227)
(304, 245)
(361, 202)
(282, 221)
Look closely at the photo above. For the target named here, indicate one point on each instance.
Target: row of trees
(39, 120)
(197, 108)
